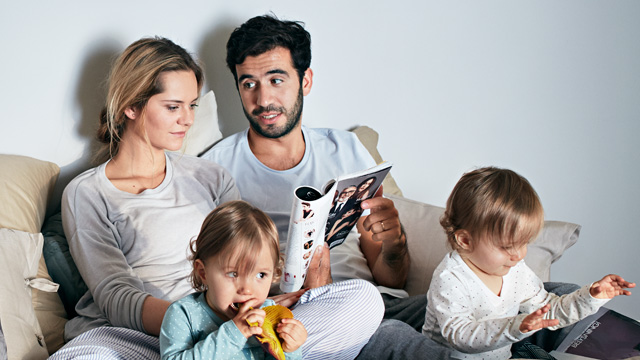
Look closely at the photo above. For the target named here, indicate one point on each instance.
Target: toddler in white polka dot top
(236, 257)
(483, 297)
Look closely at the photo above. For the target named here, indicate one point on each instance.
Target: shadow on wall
(90, 94)
(213, 53)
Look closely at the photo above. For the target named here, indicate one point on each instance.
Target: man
(270, 61)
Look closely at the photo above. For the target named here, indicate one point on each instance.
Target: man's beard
(272, 131)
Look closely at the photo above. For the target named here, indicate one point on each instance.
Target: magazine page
(350, 191)
(325, 216)
(306, 232)
(606, 334)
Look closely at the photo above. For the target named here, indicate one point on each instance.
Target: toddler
(483, 297)
(236, 258)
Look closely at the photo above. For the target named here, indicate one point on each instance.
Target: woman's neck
(136, 167)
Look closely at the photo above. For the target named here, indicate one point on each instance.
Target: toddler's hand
(610, 286)
(292, 333)
(536, 321)
(247, 314)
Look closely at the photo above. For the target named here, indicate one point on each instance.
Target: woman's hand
(292, 333)
(536, 320)
(288, 299)
(610, 286)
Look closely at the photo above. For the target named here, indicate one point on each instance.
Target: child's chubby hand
(246, 314)
(292, 333)
(610, 286)
(536, 320)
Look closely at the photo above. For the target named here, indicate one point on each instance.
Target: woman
(364, 189)
(129, 220)
(342, 226)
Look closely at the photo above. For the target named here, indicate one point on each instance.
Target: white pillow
(20, 253)
(205, 130)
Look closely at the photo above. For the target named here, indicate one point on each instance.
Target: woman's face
(365, 185)
(348, 213)
(169, 114)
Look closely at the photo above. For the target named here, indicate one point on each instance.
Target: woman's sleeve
(93, 242)
(224, 186)
(178, 338)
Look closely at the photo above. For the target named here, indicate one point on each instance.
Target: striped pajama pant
(339, 319)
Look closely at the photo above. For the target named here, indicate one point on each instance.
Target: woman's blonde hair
(494, 204)
(134, 78)
(234, 233)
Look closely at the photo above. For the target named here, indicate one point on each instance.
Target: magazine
(325, 216)
(606, 334)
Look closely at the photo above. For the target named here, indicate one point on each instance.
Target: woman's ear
(463, 240)
(131, 113)
(198, 265)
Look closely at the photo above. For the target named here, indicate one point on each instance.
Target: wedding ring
(382, 224)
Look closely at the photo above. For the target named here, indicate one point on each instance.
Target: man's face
(271, 92)
(346, 193)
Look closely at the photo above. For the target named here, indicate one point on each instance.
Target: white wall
(550, 89)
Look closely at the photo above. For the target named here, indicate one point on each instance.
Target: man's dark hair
(264, 33)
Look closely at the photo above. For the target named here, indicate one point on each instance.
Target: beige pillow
(428, 244)
(20, 253)
(369, 138)
(25, 185)
(205, 130)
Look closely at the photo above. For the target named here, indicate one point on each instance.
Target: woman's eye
(172, 108)
(193, 106)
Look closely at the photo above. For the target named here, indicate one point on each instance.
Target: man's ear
(463, 240)
(307, 81)
(198, 265)
(131, 113)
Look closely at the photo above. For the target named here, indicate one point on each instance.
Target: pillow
(428, 244)
(20, 253)
(369, 138)
(25, 185)
(547, 248)
(205, 131)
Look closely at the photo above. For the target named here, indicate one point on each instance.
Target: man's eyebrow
(270, 72)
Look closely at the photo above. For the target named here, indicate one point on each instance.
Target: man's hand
(536, 320)
(383, 220)
(319, 272)
(383, 242)
(610, 286)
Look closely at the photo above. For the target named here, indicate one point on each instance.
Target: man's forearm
(392, 266)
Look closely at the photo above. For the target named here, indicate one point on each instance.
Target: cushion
(20, 253)
(554, 239)
(25, 185)
(205, 131)
(369, 138)
(428, 244)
